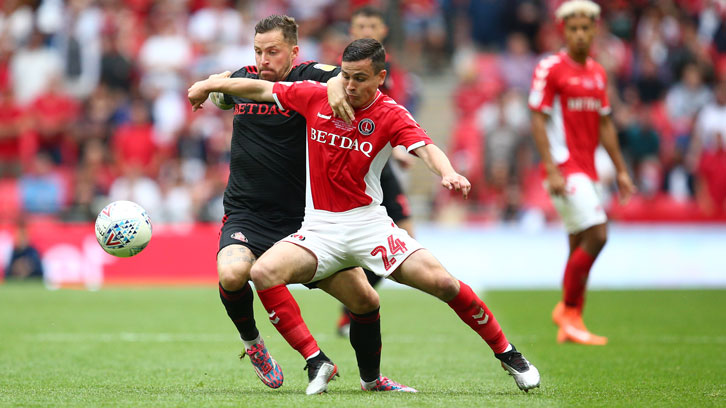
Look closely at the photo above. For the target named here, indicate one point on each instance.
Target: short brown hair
(365, 48)
(286, 24)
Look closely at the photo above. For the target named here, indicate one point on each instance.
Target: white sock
(509, 348)
(249, 343)
(368, 384)
(317, 353)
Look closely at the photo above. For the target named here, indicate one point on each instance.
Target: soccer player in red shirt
(570, 116)
(344, 223)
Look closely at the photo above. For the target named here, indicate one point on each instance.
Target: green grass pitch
(125, 347)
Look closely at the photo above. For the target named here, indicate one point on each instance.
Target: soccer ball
(218, 99)
(123, 229)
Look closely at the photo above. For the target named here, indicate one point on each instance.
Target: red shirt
(574, 96)
(344, 162)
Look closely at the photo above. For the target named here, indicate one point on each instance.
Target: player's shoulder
(305, 70)
(249, 71)
(394, 110)
(549, 61)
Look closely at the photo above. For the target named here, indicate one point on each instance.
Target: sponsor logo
(326, 117)
(298, 237)
(273, 319)
(342, 142)
(258, 109)
(583, 104)
(239, 236)
(366, 127)
(324, 67)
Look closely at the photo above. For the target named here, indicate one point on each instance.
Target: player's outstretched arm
(255, 89)
(437, 161)
(609, 141)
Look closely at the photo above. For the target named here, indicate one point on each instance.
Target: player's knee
(233, 276)
(264, 276)
(446, 286)
(367, 302)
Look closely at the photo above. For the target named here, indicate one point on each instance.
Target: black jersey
(267, 164)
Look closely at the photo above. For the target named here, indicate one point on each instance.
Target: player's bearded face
(274, 56)
(361, 82)
(579, 33)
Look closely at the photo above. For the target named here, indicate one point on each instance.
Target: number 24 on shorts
(395, 245)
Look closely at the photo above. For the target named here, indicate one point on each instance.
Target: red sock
(475, 313)
(575, 279)
(285, 316)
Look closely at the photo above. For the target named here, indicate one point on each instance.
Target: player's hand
(456, 182)
(556, 183)
(626, 188)
(338, 101)
(197, 94)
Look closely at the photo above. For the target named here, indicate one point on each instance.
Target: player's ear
(381, 76)
(295, 52)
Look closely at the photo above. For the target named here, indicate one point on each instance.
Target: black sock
(365, 337)
(239, 309)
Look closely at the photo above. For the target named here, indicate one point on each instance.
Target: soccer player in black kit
(264, 202)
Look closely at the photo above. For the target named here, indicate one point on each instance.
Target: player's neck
(580, 58)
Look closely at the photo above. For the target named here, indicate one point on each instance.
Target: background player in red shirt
(570, 116)
(344, 223)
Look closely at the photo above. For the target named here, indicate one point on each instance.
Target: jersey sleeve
(544, 86)
(314, 71)
(297, 96)
(407, 132)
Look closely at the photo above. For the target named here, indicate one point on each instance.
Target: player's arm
(555, 181)
(609, 140)
(437, 161)
(255, 89)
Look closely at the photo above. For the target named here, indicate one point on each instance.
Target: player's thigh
(351, 288)
(234, 263)
(581, 207)
(421, 270)
(282, 264)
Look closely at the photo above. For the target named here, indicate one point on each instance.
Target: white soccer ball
(123, 229)
(218, 99)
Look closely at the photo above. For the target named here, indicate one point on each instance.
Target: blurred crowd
(93, 96)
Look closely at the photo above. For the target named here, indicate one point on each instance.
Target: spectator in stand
(11, 118)
(42, 189)
(134, 186)
(25, 261)
(54, 112)
(133, 141)
(686, 98)
(32, 68)
(707, 154)
(517, 62)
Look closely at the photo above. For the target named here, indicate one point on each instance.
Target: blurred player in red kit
(570, 117)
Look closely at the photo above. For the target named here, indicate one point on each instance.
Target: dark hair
(368, 11)
(286, 24)
(365, 48)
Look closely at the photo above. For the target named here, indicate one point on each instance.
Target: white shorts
(365, 237)
(581, 207)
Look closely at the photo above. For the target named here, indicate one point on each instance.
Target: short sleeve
(407, 132)
(544, 86)
(297, 96)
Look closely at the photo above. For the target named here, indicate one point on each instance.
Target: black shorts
(256, 232)
(394, 200)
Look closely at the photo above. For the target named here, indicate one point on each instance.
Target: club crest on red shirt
(366, 127)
